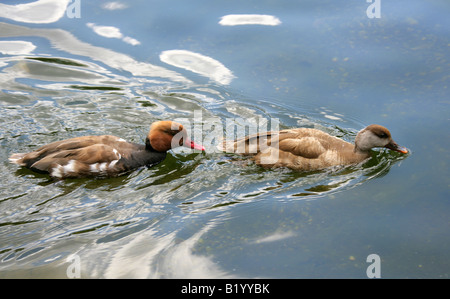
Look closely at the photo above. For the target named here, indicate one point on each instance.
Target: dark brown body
(104, 155)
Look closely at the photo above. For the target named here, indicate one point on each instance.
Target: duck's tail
(17, 159)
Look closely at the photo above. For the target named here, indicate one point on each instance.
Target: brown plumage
(104, 155)
(307, 149)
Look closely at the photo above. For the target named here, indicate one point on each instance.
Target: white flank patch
(102, 166)
(56, 171)
(118, 155)
(121, 140)
(70, 167)
(111, 165)
(94, 167)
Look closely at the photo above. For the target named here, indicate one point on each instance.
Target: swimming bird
(306, 149)
(105, 155)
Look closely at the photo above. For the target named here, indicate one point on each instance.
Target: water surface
(118, 66)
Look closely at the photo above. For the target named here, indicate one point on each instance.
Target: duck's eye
(172, 132)
(382, 135)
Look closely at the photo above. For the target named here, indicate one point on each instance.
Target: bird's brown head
(165, 135)
(377, 136)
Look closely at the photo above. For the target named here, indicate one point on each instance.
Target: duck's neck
(148, 145)
(364, 141)
(143, 156)
(358, 151)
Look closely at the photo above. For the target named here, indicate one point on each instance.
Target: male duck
(306, 149)
(105, 155)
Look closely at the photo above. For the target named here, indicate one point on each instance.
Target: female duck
(306, 149)
(105, 155)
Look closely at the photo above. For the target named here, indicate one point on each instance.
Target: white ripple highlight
(249, 19)
(198, 63)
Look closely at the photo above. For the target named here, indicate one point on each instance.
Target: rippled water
(121, 66)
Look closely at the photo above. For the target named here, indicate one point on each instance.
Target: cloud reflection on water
(115, 5)
(48, 11)
(197, 63)
(66, 41)
(16, 47)
(38, 12)
(147, 255)
(249, 19)
(112, 32)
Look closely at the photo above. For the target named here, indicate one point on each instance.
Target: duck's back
(298, 149)
(86, 156)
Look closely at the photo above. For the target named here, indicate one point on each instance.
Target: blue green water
(84, 67)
